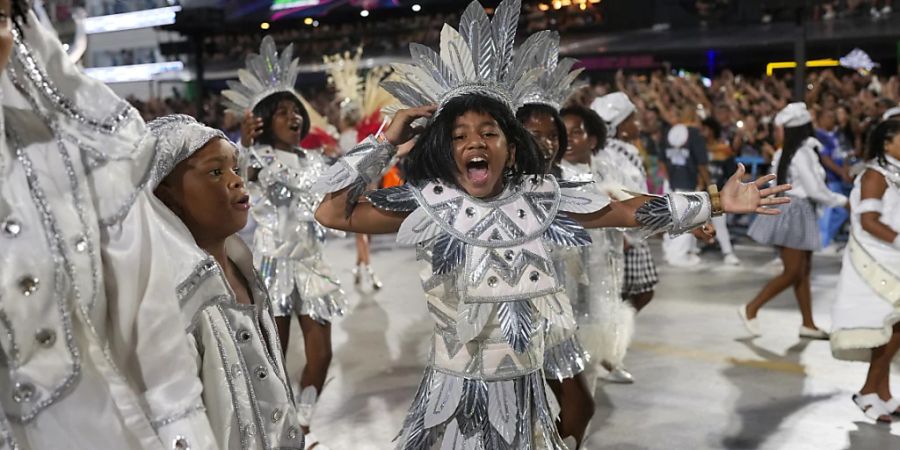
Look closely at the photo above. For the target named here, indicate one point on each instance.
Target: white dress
(93, 352)
(868, 294)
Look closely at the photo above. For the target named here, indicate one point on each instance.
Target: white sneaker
(752, 325)
(688, 261)
(775, 263)
(810, 333)
(732, 260)
(619, 375)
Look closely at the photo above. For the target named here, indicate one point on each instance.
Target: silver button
(492, 281)
(243, 335)
(45, 337)
(509, 254)
(521, 213)
(11, 228)
(277, 415)
(181, 443)
(534, 276)
(261, 372)
(81, 244)
(438, 189)
(23, 392)
(292, 433)
(470, 211)
(248, 431)
(29, 285)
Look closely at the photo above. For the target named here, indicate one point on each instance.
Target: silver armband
(357, 169)
(676, 212)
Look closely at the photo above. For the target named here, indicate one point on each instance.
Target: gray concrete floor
(700, 383)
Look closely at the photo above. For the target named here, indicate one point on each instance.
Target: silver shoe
(619, 375)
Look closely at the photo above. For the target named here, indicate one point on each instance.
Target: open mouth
(295, 127)
(477, 170)
(243, 202)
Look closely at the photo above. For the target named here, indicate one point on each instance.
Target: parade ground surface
(700, 382)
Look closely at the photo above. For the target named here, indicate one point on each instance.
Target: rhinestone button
(11, 228)
(29, 285)
(81, 244)
(492, 281)
(521, 213)
(45, 337)
(248, 431)
(292, 433)
(181, 443)
(261, 372)
(470, 211)
(23, 392)
(277, 415)
(534, 276)
(243, 335)
(438, 189)
(509, 254)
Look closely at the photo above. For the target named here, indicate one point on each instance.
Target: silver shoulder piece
(358, 169)
(580, 197)
(675, 213)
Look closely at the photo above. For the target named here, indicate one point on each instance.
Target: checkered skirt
(640, 270)
(796, 227)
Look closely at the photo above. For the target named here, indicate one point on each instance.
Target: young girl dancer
(94, 350)
(225, 307)
(483, 217)
(288, 241)
(795, 233)
(865, 315)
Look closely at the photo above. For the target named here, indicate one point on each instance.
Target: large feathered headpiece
(477, 59)
(357, 92)
(557, 79)
(265, 74)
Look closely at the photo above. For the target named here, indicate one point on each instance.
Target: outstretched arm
(683, 210)
(363, 218)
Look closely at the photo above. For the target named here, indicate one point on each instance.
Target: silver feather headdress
(265, 74)
(557, 79)
(477, 59)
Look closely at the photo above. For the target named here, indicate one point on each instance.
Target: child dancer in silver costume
(288, 242)
(224, 304)
(483, 216)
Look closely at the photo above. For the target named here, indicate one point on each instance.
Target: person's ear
(511, 158)
(593, 141)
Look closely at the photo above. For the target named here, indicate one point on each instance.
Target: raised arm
(346, 181)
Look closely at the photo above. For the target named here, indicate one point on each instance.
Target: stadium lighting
(131, 20)
(416, 8)
(264, 25)
(136, 72)
(364, 13)
(308, 21)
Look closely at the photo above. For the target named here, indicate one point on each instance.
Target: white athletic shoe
(732, 260)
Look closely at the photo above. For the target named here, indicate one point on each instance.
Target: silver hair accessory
(175, 138)
(477, 59)
(557, 79)
(265, 74)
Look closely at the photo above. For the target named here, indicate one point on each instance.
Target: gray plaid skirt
(796, 227)
(640, 270)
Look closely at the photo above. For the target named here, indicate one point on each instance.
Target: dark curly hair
(266, 110)
(432, 156)
(593, 124)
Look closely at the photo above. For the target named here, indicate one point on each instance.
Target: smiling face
(544, 130)
(6, 39)
(581, 144)
(286, 125)
(207, 192)
(481, 153)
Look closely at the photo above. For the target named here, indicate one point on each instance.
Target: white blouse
(807, 176)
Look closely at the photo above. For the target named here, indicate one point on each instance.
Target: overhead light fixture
(417, 7)
(543, 7)
(308, 20)
(131, 21)
(264, 25)
(137, 72)
(315, 23)
(364, 13)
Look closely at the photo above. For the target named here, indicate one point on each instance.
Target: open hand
(753, 197)
(401, 130)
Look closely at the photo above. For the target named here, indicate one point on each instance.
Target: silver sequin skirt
(459, 413)
(796, 227)
(565, 359)
(305, 287)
